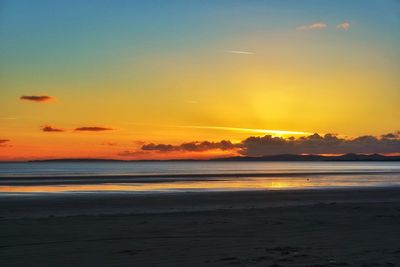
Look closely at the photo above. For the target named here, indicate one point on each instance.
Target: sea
(22, 178)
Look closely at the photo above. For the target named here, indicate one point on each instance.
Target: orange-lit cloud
(48, 128)
(36, 98)
(92, 129)
(343, 26)
(313, 26)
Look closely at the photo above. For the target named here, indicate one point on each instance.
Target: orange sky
(171, 74)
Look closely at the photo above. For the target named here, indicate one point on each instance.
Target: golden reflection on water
(224, 184)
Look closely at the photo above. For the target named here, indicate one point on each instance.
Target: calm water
(149, 168)
(193, 176)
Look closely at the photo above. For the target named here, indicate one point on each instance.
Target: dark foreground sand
(352, 227)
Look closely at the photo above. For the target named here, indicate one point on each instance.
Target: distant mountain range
(283, 157)
(292, 157)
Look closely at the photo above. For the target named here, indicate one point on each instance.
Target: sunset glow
(86, 80)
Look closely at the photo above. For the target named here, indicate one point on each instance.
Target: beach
(328, 227)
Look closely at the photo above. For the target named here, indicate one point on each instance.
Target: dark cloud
(36, 98)
(206, 145)
(191, 146)
(4, 142)
(317, 144)
(160, 147)
(391, 135)
(48, 128)
(312, 144)
(109, 144)
(92, 129)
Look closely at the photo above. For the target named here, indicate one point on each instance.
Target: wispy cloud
(48, 128)
(248, 130)
(343, 26)
(92, 129)
(313, 26)
(239, 52)
(36, 98)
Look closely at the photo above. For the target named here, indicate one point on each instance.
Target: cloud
(239, 52)
(4, 142)
(313, 26)
(391, 135)
(195, 146)
(160, 147)
(109, 144)
(206, 145)
(247, 130)
(92, 129)
(48, 128)
(317, 144)
(256, 146)
(343, 26)
(36, 98)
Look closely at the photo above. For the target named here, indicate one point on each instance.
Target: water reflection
(228, 184)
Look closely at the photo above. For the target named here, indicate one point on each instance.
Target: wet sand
(331, 227)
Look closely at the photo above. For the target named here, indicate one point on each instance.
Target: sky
(139, 79)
